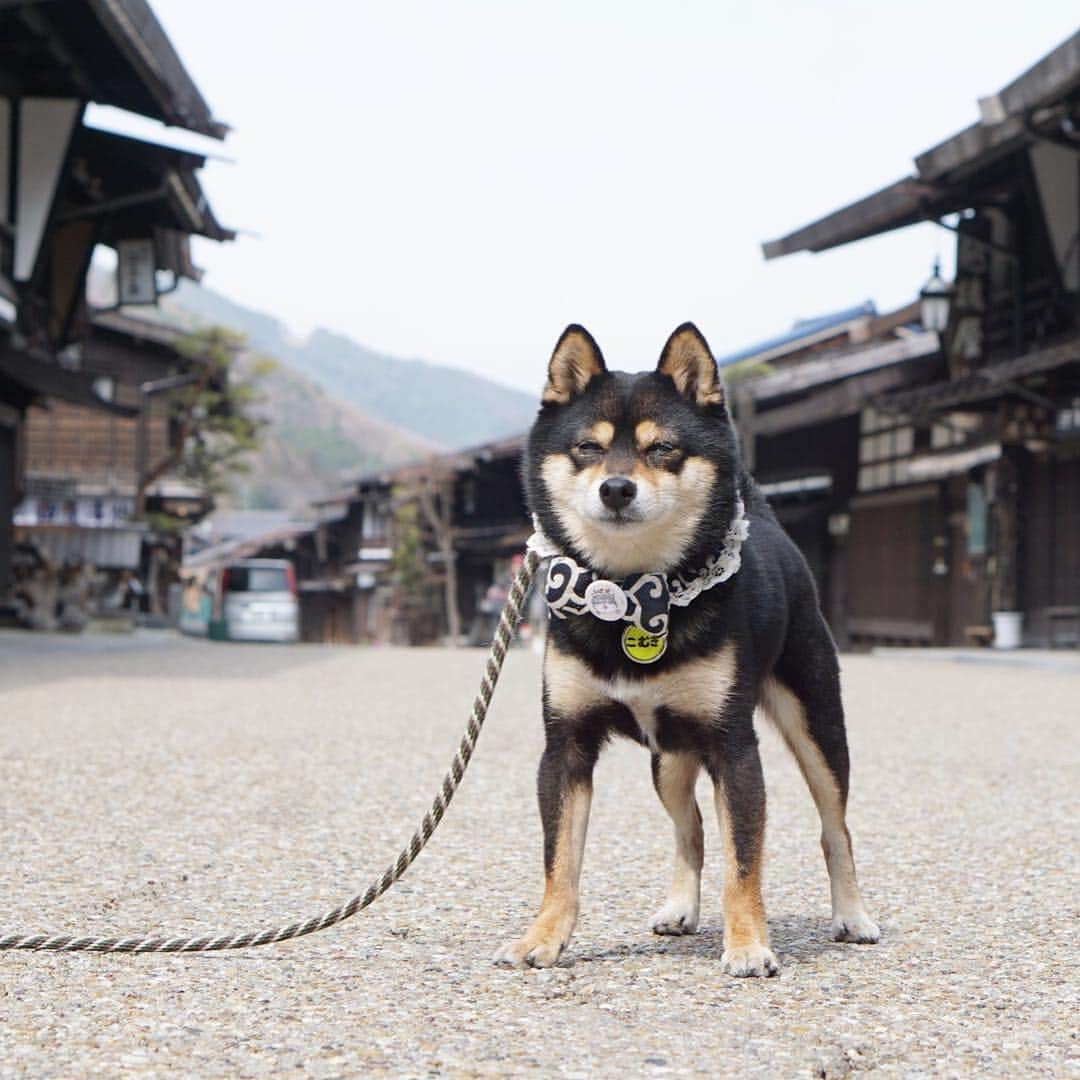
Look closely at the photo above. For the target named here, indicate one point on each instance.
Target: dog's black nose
(617, 492)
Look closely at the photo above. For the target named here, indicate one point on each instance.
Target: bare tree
(435, 497)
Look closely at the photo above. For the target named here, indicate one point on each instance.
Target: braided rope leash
(504, 633)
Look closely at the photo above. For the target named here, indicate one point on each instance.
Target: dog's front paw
(530, 951)
(675, 917)
(856, 926)
(747, 961)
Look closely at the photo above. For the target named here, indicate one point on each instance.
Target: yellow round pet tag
(641, 647)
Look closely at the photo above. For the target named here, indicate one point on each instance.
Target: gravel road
(165, 784)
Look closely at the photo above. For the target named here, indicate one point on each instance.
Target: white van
(257, 601)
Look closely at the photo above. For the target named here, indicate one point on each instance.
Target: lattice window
(886, 443)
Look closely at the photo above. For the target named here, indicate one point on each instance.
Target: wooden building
(81, 462)
(427, 543)
(799, 417)
(409, 556)
(954, 510)
(480, 524)
(66, 188)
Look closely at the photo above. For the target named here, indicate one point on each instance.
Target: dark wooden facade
(965, 505)
(395, 550)
(491, 525)
(1051, 547)
(66, 188)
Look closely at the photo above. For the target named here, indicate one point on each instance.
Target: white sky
(457, 181)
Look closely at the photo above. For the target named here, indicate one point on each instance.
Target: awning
(45, 380)
(131, 328)
(105, 548)
(815, 484)
(246, 548)
(956, 462)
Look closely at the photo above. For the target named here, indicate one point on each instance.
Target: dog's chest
(696, 692)
(643, 699)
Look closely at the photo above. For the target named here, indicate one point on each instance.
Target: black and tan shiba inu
(678, 605)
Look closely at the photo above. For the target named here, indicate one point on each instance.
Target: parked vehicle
(249, 600)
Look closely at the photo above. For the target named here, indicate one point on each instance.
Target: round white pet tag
(606, 600)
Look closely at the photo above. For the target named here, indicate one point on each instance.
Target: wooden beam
(1045, 83)
(988, 382)
(969, 150)
(815, 372)
(843, 400)
(902, 203)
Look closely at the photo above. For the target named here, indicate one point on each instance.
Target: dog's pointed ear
(576, 361)
(688, 361)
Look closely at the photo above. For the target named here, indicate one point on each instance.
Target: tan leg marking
(544, 941)
(746, 933)
(850, 920)
(675, 780)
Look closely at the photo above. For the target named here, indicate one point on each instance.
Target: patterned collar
(642, 600)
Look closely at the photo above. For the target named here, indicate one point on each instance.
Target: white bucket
(1007, 629)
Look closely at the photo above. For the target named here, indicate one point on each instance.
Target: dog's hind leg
(674, 776)
(802, 699)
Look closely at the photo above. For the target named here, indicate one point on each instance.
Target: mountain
(441, 404)
(313, 443)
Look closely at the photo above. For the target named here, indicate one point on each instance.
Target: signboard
(136, 283)
(964, 344)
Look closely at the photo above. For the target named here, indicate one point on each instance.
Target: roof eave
(942, 170)
(1056, 75)
(190, 201)
(973, 148)
(902, 203)
(43, 381)
(136, 31)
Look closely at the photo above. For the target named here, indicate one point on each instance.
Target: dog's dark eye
(589, 446)
(661, 448)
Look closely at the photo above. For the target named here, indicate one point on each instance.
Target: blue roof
(802, 328)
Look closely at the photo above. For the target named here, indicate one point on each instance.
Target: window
(375, 520)
(887, 440)
(976, 519)
(257, 579)
(1068, 418)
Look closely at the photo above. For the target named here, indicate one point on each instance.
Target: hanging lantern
(934, 300)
